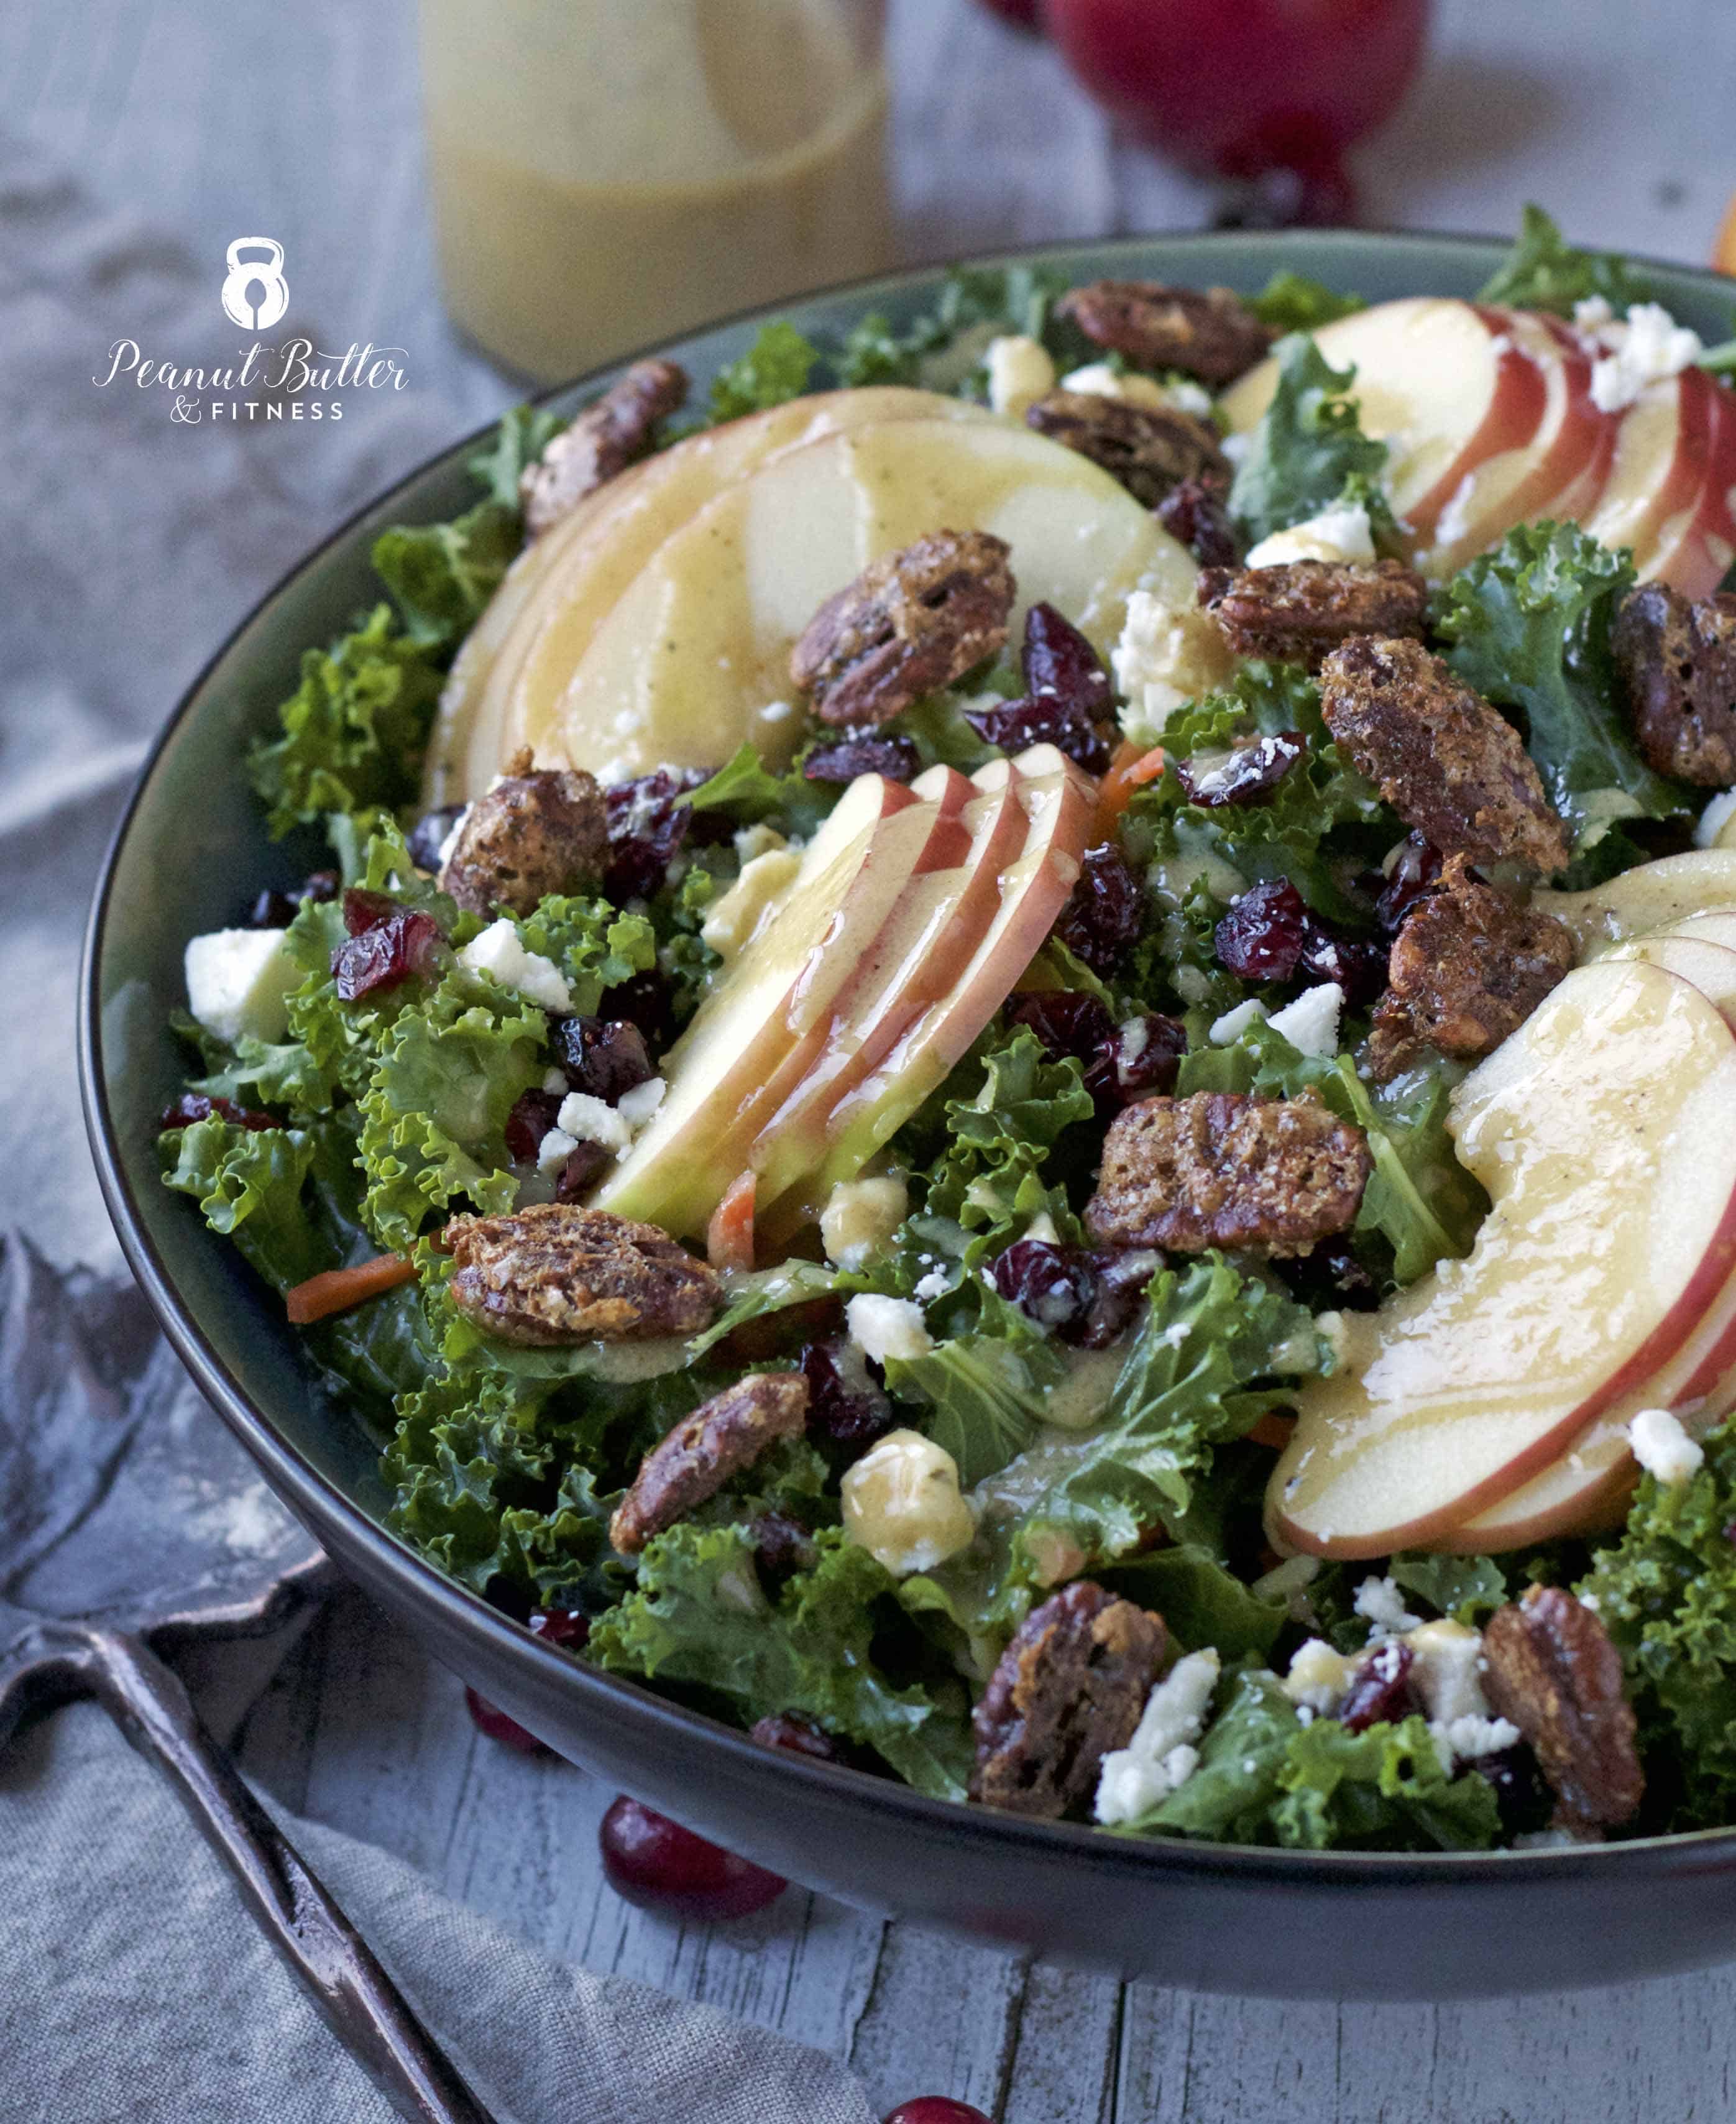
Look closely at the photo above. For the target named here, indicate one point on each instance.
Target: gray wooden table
(204, 117)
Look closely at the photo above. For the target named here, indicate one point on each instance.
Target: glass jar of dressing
(605, 174)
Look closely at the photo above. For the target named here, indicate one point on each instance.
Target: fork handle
(362, 2006)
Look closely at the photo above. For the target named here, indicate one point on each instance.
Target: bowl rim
(293, 1476)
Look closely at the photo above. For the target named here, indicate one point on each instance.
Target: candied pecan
(910, 623)
(1195, 514)
(1677, 666)
(532, 834)
(1443, 759)
(722, 1437)
(1554, 1673)
(1207, 333)
(1217, 1169)
(1150, 450)
(1299, 610)
(1469, 966)
(554, 1273)
(1068, 1690)
(604, 440)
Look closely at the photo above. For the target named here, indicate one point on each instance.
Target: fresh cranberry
(1194, 514)
(864, 752)
(1061, 664)
(1137, 1058)
(1330, 1276)
(1382, 1689)
(531, 1119)
(1052, 1284)
(428, 835)
(1261, 937)
(1067, 1021)
(937, 2109)
(849, 1411)
(192, 1106)
(583, 1167)
(649, 821)
(796, 1737)
(1524, 1800)
(1105, 911)
(564, 1626)
(781, 1547)
(382, 953)
(1248, 775)
(1120, 1279)
(1414, 873)
(602, 1056)
(654, 1862)
(488, 1718)
(1043, 719)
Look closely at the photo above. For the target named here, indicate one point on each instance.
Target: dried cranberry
(1524, 1800)
(1042, 719)
(1194, 514)
(363, 911)
(648, 822)
(1248, 775)
(864, 752)
(1067, 1021)
(531, 1119)
(936, 2109)
(603, 1056)
(1121, 1278)
(385, 952)
(272, 910)
(849, 1411)
(1414, 872)
(646, 1000)
(428, 835)
(1137, 1058)
(1261, 937)
(490, 1719)
(655, 1862)
(583, 1167)
(1060, 664)
(1357, 963)
(1106, 912)
(1330, 1278)
(781, 1547)
(1052, 1284)
(1380, 1691)
(192, 1106)
(561, 1626)
(796, 1737)
(319, 886)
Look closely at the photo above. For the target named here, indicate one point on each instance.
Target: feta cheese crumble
(1716, 817)
(887, 1327)
(1232, 1026)
(860, 1217)
(903, 1503)
(238, 981)
(1098, 380)
(1311, 1023)
(1649, 348)
(553, 1152)
(1319, 1675)
(1160, 1756)
(588, 1120)
(1342, 533)
(1167, 655)
(637, 1107)
(498, 953)
(1663, 1448)
(1379, 1601)
(1020, 372)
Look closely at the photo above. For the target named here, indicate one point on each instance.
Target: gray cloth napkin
(135, 1985)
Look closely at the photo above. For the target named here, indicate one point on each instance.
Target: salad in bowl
(1017, 1056)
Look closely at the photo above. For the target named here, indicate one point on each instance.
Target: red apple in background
(1242, 90)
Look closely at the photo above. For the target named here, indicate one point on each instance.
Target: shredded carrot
(730, 1235)
(338, 1289)
(1130, 769)
(1272, 1430)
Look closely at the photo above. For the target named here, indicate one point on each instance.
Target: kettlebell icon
(250, 276)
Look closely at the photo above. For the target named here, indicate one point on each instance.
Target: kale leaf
(1293, 303)
(1308, 448)
(1544, 271)
(774, 369)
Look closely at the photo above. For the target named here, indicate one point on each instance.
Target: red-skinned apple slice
(782, 985)
(1660, 464)
(1601, 1129)
(1693, 554)
(1711, 925)
(1059, 804)
(918, 957)
(1579, 497)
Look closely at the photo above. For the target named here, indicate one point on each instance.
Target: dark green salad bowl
(192, 848)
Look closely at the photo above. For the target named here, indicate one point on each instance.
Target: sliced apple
(681, 1165)
(1444, 391)
(537, 624)
(1693, 551)
(1579, 497)
(1709, 963)
(1059, 804)
(1653, 895)
(918, 959)
(693, 658)
(1660, 462)
(1711, 925)
(1603, 1131)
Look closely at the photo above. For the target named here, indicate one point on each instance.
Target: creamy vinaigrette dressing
(606, 174)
